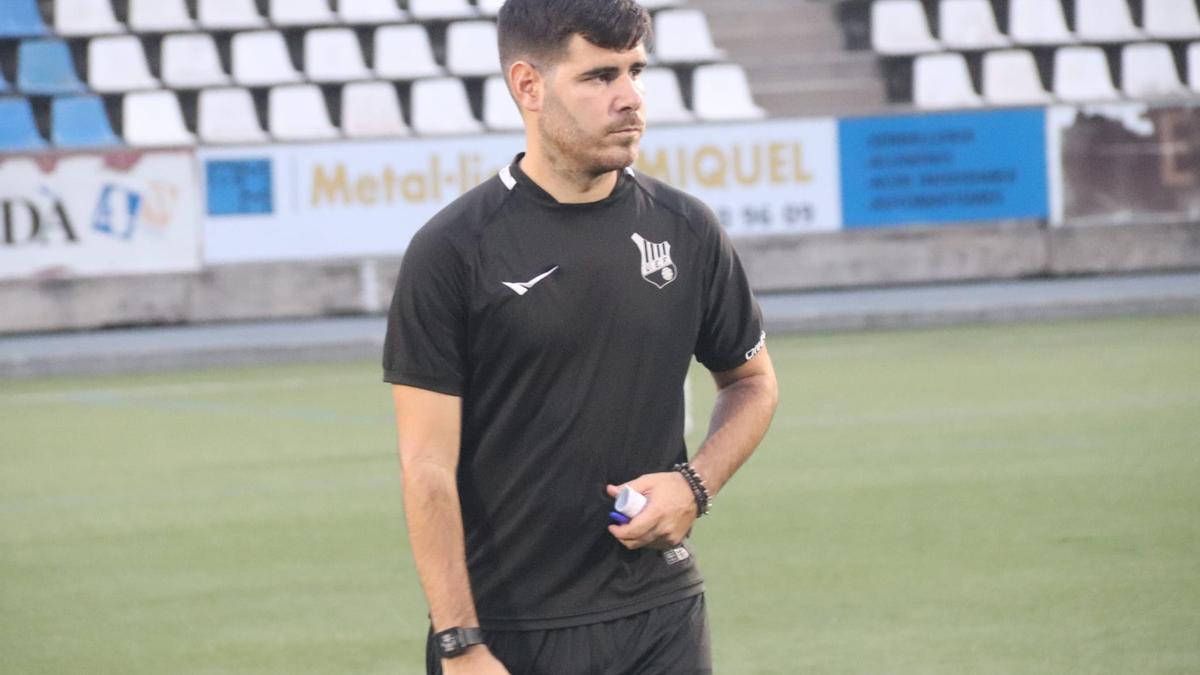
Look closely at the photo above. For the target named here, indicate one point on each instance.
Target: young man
(538, 340)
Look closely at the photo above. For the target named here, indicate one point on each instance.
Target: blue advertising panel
(943, 167)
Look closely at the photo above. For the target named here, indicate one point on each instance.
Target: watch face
(448, 643)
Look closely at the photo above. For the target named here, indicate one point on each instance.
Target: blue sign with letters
(239, 187)
(943, 167)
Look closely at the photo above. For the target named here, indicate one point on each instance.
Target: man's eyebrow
(609, 70)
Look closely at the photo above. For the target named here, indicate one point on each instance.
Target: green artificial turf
(989, 499)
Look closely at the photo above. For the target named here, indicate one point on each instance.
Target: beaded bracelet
(698, 486)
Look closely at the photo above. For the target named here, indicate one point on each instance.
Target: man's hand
(477, 660)
(668, 516)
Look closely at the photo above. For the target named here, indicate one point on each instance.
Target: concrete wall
(836, 260)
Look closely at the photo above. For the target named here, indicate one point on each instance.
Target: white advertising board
(124, 212)
(354, 199)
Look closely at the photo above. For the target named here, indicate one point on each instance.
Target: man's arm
(429, 434)
(746, 400)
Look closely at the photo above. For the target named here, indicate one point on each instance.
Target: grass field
(994, 499)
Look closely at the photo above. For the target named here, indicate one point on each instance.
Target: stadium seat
(943, 81)
(370, 11)
(425, 10)
(159, 16)
(334, 55)
(261, 58)
(228, 14)
(21, 18)
(1171, 19)
(153, 118)
(1081, 74)
(301, 13)
(1105, 21)
(80, 122)
(18, 131)
(1010, 77)
(440, 106)
(720, 91)
(659, 4)
(901, 27)
(190, 61)
(85, 17)
(490, 7)
(372, 110)
(664, 100)
(1193, 66)
(404, 53)
(682, 36)
(297, 112)
(1038, 22)
(969, 24)
(1148, 71)
(46, 67)
(499, 111)
(471, 49)
(117, 64)
(228, 115)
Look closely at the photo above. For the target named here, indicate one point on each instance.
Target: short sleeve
(425, 346)
(731, 329)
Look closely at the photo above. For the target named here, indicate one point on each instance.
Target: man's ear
(526, 85)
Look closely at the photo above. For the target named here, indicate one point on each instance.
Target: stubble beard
(576, 152)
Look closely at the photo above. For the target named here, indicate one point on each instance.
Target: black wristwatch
(453, 642)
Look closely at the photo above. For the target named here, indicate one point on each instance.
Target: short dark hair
(539, 30)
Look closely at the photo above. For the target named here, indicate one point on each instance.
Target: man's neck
(565, 185)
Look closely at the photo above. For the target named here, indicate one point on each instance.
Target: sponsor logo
(657, 266)
(522, 287)
(762, 342)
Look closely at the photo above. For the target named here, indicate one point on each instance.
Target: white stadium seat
(424, 10)
(1193, 66)
(404, 53)
(1167, 19)
(1010, 77)
(297, 112)
(1105, 21)
(153, 118)
(664, 101)
(159, 16)
(372, 110)
(334, 55)
(189, 60)
(1038, 22)
(682, 36)
(229, 14)
(370, 11)
(1148, 71)
(490, 7)
(969, 24)
(500, 112)
(721, 92)
(85, 17)
(1081, 74)
(471, 49)
(301, 13)
(440, 106)
(118, 63)
(659, 4)
(228, 116)
(261, 58)
(901, 27)
(943, 81)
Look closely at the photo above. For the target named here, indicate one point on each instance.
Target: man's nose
(631, 94)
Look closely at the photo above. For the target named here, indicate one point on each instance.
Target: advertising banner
(355, 199)
(944, 168)
(123, 212)
(1125, 163)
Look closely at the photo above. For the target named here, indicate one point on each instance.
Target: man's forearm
(740, 417)
(435, 532)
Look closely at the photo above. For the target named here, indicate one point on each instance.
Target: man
(538, 340)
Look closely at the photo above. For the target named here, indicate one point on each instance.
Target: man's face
(592, 111)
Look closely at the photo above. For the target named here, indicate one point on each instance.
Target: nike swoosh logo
(522, 287)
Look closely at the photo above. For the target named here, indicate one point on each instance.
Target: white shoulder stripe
(507, 178)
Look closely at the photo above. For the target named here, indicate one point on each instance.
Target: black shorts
(668, 640)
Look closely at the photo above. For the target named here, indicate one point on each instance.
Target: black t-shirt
(567, 330)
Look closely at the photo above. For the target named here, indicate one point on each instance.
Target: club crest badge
(657, 266)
